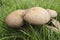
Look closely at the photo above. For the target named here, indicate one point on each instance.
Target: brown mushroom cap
(37, 15)
(15, 19)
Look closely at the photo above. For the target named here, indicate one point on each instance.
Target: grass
(35, 32)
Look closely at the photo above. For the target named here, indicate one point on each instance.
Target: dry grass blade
(52, 28)
(56, 23)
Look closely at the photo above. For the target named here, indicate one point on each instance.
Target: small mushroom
(15, 18)
(37, 15)
(53, 13)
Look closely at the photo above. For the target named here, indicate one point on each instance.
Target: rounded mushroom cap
(15, 19)
(53, 13)
(18, 12)
(37, 15)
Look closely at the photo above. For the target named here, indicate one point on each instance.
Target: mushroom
(37, 15)
(53, 13)
(15, 18)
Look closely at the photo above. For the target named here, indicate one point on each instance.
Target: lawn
(33, 32)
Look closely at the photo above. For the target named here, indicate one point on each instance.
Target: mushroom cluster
(34, 15)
